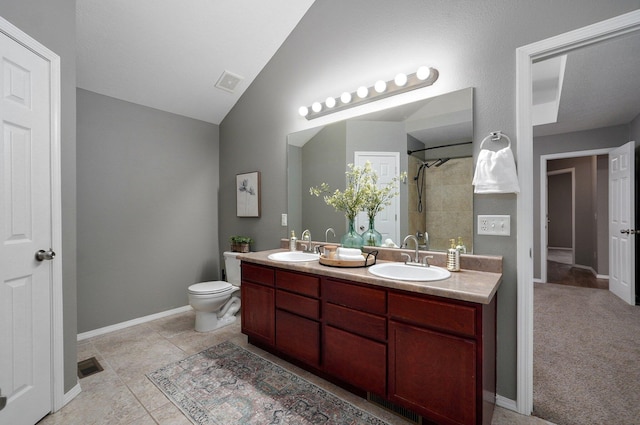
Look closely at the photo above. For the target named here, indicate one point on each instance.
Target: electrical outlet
(283, 220)
(499, 225)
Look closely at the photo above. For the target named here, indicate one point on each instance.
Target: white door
(26, 226)
(387, 165)
(622, 223)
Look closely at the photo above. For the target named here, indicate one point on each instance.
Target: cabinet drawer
(298, 304)
(258, 274)
(356, 360)
(298, 283)
(358, 297)
(437, 314)
(298, 337)
(358, 322)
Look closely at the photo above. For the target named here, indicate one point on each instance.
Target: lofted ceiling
(169, 55)
(600, 87)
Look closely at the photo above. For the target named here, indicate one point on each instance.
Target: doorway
(591, 35)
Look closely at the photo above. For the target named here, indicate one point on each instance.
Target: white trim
(506, 403)
(132, 322)
(71, 394)
(544, 213)
(57, 323)
(524, 131)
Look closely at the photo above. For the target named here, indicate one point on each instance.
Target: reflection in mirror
(433, 140)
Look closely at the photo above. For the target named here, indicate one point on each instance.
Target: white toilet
(217, 302)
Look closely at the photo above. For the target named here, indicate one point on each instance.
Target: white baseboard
(133, 322)
(537, 280)
(506, 403)
(602, 276)
(71, 394)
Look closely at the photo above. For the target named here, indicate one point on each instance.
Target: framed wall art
(248, 194)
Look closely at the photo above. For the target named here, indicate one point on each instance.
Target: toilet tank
(232, 267)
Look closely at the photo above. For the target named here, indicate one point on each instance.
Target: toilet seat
(209, 288)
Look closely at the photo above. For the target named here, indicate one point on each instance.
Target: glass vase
(372, 237)
(351, 239)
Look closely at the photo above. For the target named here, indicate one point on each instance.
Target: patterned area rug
(226, 384)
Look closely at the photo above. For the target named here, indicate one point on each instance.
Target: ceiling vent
(228, 81)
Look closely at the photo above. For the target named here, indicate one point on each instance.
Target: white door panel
(25, 226)
(387, 165)
(622, 222)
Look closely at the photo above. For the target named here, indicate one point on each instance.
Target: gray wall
(560, 216)
(323, 161)
(147, 209)
(53, 23)
(600, 138)
(602, 209)
(340, 45)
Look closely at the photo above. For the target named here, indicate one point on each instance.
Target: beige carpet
(586, 367)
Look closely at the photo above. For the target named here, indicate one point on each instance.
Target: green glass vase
(372, 237)
(351, 239)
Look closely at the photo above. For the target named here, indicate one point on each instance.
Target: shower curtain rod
(409, 152)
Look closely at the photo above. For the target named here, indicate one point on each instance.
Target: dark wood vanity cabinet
(258, 303)
(429, 354)
(297, 315)
(354, 345)
(442, 358)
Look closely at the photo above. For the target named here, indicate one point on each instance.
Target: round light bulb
(423, 73)
(303, 111)
(345, 97)
(400, 79)
(330, 102)
(362, 92)
(316, 107)
(380, 86)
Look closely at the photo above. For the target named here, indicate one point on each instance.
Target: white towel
(496, 172)
(345, 257)
(348, 251)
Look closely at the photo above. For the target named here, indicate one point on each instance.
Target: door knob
(45, 255)
(629, 231)
(3, 400)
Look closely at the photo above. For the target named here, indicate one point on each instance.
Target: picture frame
(248, 194)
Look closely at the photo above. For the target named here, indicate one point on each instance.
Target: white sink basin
(401, 271)
(293, 256)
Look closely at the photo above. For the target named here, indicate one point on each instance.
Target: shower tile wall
(447, 202)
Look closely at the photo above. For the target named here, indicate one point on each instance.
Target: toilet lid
(212, 287)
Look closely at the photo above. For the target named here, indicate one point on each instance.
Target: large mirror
(430, 139)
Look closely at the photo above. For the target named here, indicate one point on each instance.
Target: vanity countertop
(467, 285)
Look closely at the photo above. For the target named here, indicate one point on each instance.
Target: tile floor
(122, 394)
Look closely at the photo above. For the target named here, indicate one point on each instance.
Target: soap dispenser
(453, 257)
(461, 247)
(293, 242)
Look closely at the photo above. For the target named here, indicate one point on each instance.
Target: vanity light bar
(402, 83)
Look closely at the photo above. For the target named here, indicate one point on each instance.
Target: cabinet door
(359, 361)
(258, 312)
(433, 373)
(298, 337)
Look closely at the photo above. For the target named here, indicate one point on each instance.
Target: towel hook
(496, 136)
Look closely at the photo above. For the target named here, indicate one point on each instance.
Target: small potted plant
(240, 243)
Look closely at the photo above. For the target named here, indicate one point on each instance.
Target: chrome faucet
(416, 259)
(326, 234)
(306, 239)
(415, 241)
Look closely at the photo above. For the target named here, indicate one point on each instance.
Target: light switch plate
(498, 225)
(283, 220)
